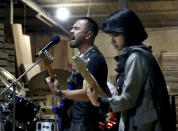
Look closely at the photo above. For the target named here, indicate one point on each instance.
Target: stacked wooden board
(7, 59)
(169, 66)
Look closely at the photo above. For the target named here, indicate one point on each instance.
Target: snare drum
(45, 125)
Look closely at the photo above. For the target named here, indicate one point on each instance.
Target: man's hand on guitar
(54, 86)
(92, 95)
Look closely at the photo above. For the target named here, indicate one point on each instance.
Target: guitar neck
(83, 70)
(90, 79)
(93, 83)
(51, 74)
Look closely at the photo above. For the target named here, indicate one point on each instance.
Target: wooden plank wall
(104, 44)
(62, 56)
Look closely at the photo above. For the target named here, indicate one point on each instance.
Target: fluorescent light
(62, 13)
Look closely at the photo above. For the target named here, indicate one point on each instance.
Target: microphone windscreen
(55, 39)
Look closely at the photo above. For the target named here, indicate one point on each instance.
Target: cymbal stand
(13, 111)
(55, 115)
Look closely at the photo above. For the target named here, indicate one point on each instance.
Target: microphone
(54, 40)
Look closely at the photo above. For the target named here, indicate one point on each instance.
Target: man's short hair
(91, 25)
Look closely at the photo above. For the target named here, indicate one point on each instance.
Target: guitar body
(111, 124)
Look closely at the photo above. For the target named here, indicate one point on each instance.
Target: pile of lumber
(7, 60)
(169, 66)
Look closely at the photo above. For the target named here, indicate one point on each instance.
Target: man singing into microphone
(85, 116)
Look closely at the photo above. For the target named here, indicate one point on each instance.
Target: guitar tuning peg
(48, 56)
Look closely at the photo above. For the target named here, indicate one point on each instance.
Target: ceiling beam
(43, 29)
(100, 3)
(74, 4)
(153, 5)
(151, 24)
(100, 15)
(43, 14)
(160, 12)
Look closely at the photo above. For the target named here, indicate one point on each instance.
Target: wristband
(59, 93)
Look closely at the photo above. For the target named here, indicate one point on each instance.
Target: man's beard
(76, 44)
(73, 45)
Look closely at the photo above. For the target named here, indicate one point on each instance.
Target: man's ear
(89, 35)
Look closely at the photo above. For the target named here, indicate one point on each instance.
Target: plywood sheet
(22, 46)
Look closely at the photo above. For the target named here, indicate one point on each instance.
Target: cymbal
(7, 78)
(37, 84)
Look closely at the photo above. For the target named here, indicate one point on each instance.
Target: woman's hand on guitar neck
(92, 95)
(53, 85)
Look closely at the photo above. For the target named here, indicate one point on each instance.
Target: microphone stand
(14, 84)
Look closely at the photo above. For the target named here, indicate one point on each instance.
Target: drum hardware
(11, 84)
(24, 114)
(4, 113)
(25, 109)
(45, 125)
(6, 78)
(14, 105)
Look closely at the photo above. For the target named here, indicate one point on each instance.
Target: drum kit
(25, 110)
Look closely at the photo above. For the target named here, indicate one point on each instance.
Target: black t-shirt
(97, 66)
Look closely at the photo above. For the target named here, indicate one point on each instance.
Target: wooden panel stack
(3, 61)
(7, 60)
(9, 48)
(3, 64)
(169, 66)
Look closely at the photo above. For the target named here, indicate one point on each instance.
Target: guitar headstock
(80, 63)
(47, 60)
